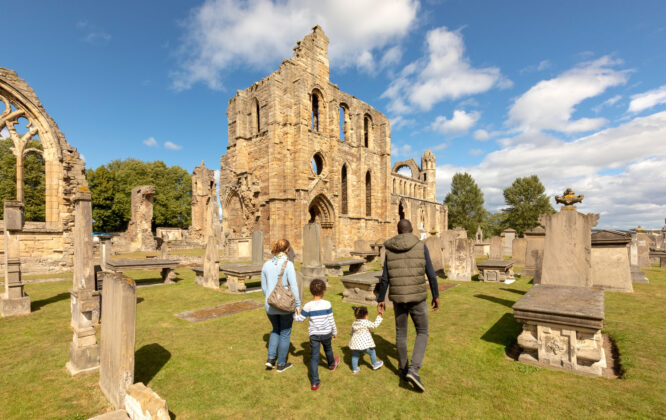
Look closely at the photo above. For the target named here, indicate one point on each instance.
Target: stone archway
(321, 211)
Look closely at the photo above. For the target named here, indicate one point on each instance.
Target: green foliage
(34, 177)
(494, 224)
(465, 203)
(111, 187)
(526, 199)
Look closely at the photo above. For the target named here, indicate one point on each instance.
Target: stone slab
(250, 270)
(142, 403)
(497, 264)
(147, 264)
(218, 311)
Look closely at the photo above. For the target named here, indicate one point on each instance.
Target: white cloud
(391, 57)
(445, 73)
(549, 104)
(461, 122)
(94, 35)
(481, 135)
(608, 102)
(172, 146)
(543, 65)
(224, 33)
(4, 133)
(404, 150)
(625, 184)
(399, 122)
(150, 142)
(475, 152)
(645, 100)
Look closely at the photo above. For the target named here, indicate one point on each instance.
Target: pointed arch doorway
(321, 211)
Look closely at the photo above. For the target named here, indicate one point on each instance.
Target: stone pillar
(518, 250)
(495, 248)
(212, 258)
(312, 264)
(14, 301)
(164, 248)
(257, 247)
(106, 251)
(568, 246)
(117, 339)
(84, 299)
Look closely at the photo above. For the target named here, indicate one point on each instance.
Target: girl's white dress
(361, 339)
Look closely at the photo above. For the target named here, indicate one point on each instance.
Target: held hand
(380, 308)
(435, 304)
(335, 337)
(298, 311)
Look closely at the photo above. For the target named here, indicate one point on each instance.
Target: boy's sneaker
(270, 363)
(356, 371)
(378, 365)
(414, 378)
(316, 387)
(282, 368)
(336, 362)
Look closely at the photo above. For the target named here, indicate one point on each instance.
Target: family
(406, 264)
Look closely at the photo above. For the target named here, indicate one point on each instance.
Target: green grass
(214, 369)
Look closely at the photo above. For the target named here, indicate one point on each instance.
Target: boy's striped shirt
(320, 313)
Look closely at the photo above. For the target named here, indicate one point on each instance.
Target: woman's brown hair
(281, 245)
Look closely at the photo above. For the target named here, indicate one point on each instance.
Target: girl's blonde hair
(281, 245)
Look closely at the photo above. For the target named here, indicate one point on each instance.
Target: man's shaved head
(404, 226)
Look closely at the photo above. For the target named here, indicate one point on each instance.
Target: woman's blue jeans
(356, 354)
(278, 343)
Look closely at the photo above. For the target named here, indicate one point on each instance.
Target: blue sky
(572, 91)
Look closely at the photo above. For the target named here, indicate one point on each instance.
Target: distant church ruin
(301, 150)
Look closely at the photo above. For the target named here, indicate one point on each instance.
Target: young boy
(322, 329)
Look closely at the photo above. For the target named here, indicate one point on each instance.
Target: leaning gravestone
(519, 248)
(312, 265)
(257, 247)
(461, 262)
(117, 340)
(434, 245)
(568, 246)
(495, 248)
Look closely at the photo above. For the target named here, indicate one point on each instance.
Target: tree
(33, 179)
(111, 187)
(494, 224)
(526, 199)
(465, 202)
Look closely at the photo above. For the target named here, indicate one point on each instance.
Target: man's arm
(430, 273)
(384, 283)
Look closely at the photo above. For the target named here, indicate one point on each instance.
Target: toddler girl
(361, 339)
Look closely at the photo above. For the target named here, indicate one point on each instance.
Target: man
(407, 262)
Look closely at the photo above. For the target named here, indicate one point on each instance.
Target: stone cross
(117, 339)
(84, 299)
(14, 301)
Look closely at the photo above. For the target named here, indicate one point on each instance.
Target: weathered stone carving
(204, 190)
(569, 198)
(139, 235)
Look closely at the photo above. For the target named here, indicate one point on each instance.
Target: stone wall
(204, 190)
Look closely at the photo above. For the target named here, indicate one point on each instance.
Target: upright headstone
(117, 339)
(434, 245)
(106, 250)
(643, 247)
(519, 248)
(14, 301)
(507, 241)
(329, 252)
(534, 253)
(495, 248)
(610, 261)
(568, 246)
(257, 247)
(211, 264)
(312, 264)
(637, 276)
(448, 241)
(84, 299)
(461, 263)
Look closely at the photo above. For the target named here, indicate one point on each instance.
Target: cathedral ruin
(301, 150)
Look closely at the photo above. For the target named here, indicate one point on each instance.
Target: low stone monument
(508, 235)
(84, 299)
(117, 339)
(312, 264)
(495, 248)
(519, 250)
(610, 261)
(434, 245)
(534, 253)
(14, 301)
(562, 328)
(567, 248)
(257, 247)
(496, 271)
(461, 265)
(361, 288)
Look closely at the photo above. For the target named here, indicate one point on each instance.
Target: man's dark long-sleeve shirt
(430, 273)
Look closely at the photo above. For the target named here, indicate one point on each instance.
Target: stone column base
(82, 359)
(236, 284)
(15, 306)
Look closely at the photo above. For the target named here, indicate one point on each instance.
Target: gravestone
(448, 242)
(312, 264)
(495, 248)
(568, 247)
(461, 262)
(211, 264)
(84, 299)
(14, 301)
(164, 247)
(507, 241)
(643, 248)
(534, 253)
(610, 261)
(434, 245)
(117, 339)
(257, 247)
(329, 253)
(519, 248)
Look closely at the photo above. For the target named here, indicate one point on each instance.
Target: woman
(278, 343)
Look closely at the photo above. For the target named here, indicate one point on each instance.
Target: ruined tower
(204, 190)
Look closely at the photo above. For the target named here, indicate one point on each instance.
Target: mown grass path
(214, 369)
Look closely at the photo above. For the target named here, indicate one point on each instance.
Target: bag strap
(280, 280)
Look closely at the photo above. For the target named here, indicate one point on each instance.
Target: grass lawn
(214, 369)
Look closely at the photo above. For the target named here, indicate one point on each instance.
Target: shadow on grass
(516, 291)
(503, 332)
(38, 304)
(505, 302)
(149, 360)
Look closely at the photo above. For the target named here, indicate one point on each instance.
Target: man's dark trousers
(419, 313)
